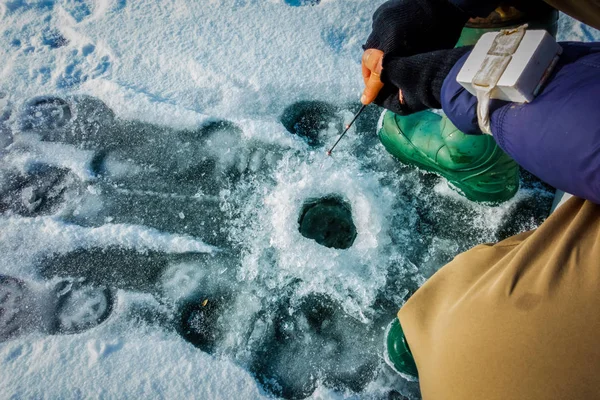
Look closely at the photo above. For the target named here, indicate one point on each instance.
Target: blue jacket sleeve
(556, 136)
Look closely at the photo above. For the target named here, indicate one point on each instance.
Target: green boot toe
(473, 164)
(397, 353)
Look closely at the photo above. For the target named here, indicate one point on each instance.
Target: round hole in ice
(44, 112)
(314, 121)
(328, 221)
(198, 322)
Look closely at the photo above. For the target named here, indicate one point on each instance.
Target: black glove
(419, 77)
(408, 27)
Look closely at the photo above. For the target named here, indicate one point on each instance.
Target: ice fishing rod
(346, 130)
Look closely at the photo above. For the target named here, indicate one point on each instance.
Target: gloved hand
(404, 28)
(411, 84)
(408, 27)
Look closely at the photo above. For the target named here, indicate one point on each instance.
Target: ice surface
(155, 159)
(14, 301)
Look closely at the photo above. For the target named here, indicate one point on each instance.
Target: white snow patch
(23, 240)
(129, 365)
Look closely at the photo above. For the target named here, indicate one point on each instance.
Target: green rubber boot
(397, 353)
(473, 164)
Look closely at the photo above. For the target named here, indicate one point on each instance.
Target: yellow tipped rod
(346, 130)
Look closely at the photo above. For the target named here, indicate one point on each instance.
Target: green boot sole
(473, 164)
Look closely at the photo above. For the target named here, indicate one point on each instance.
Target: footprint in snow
(41, 75)
(336, 38)
(82, 65)
(53, 39)
(81, 10)
(13, 354)
(99, 349)
(78, 9)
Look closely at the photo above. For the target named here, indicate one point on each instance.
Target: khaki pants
(519, 319)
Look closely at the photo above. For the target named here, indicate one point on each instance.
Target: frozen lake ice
(170, 226)
(265, 255)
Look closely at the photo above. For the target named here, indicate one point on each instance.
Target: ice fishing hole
(328, 221)
(45, 112)
(312, 121)
(199, 322)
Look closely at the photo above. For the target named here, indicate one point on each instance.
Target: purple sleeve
(556, 136)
